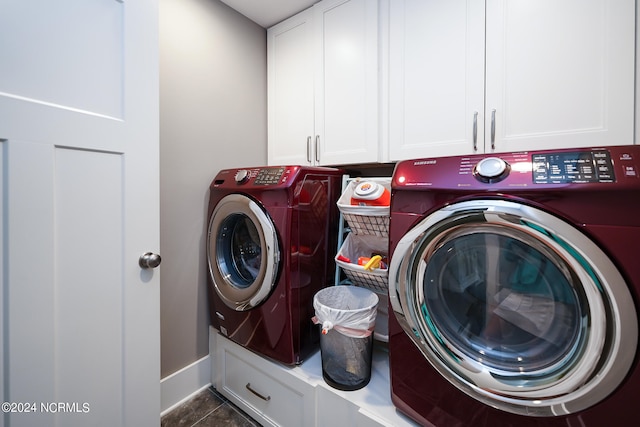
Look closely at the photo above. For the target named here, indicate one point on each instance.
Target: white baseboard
(184, 384)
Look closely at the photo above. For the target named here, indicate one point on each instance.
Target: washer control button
(491, 169)
(242, 176)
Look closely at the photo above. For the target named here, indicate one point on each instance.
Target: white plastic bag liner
(349, 310)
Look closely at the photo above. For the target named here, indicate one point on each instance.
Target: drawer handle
(265, 398)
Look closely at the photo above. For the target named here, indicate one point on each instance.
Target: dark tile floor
(207, 409)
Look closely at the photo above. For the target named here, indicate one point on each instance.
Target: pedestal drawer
(245, 379)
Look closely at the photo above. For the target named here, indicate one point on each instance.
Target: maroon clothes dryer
(272, 237)
(514, 284)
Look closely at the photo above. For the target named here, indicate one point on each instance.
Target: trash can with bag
(347, 316)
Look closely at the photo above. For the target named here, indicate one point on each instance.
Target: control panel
(583, 167)
(269, 176)
(572, 167)
(261, 176)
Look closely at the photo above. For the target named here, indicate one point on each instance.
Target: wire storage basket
(356, 246)
(366, 220)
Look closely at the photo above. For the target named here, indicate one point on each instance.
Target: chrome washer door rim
(608, 346)
(246, 297)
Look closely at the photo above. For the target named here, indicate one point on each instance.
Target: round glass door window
(243, 252)
(239, 250)
(505, 302)
(514, 306)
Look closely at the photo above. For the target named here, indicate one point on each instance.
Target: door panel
(88, 237)
(28, 246)
(79, 60)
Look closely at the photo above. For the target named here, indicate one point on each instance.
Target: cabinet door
(346, 114)
(290, 85)
(559, 73)
(436, 77)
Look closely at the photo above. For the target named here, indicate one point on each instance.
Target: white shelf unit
(371, 225)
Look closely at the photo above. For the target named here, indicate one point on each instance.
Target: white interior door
(80, 201)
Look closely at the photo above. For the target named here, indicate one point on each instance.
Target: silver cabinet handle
(309, 149)
(475, 131)
(149, 260)
(317, 148)
(493, 129)
(265, 398)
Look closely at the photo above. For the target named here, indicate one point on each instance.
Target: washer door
(243, 252)
(515, 307)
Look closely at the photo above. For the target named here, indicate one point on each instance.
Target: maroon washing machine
(514, 281)
(271, 242)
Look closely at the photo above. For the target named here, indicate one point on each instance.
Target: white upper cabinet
(436, 77)
(290, 86)
(478, 77)
(323, 85)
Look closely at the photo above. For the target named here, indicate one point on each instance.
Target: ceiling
(269, 12)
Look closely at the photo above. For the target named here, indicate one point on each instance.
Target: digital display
(269, 176)
(573, 167)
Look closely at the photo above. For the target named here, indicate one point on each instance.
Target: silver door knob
(149, 260)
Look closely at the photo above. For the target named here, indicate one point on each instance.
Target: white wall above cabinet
(323, 85)
(532, 74)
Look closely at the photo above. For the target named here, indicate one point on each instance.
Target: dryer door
(515, 307)
(242, 252)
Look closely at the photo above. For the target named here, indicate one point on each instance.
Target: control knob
(491, 169)
(242, 176)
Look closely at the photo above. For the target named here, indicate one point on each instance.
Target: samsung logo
(424, 162)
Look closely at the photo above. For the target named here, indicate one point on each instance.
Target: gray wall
(213, 115)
